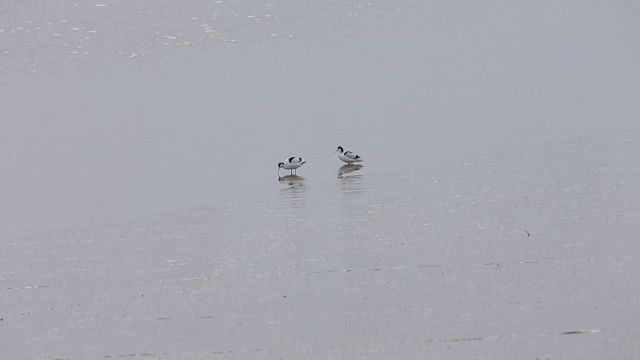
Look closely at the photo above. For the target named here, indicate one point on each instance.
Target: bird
(291, 164)
(348, 156)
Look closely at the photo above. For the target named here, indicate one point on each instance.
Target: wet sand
(504, 256)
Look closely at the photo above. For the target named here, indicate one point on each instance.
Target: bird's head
(280, 165)
(340, 149)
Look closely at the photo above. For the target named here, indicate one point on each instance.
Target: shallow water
(501, 256)
(495, 215)
(406, 84)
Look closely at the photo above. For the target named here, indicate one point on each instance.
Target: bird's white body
(348, 156)
(293, 163)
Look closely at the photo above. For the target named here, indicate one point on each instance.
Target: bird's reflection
(293, 193)
(350, 179)
(349, 168)
(291, 180)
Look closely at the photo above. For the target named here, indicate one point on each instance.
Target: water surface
(510, 255)
(495, 215)
(406, 84)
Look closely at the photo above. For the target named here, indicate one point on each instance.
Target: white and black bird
(348, 156)
(291, 164)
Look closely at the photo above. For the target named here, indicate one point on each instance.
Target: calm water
(495, 215)
(504, 256)
(89, 139)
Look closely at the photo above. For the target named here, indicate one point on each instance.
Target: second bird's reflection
(349, 168)
(350, 179)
